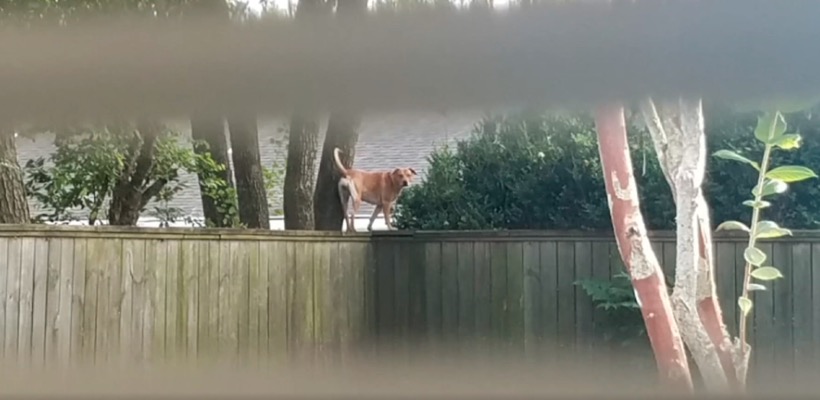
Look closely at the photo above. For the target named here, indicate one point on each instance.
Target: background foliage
(542, 171)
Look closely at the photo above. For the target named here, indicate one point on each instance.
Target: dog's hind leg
(346, 195)
(357, 202)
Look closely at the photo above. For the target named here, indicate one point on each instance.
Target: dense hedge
(543, 172)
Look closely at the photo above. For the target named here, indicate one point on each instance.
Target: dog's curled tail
(339, 165)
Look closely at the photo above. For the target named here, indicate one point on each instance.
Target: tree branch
(149, 131)
(151, 191)
(679, 139)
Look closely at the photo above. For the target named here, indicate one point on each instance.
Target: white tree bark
(677, 132)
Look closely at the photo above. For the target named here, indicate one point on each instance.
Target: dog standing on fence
(381, 189)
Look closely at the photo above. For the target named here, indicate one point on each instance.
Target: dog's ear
(413, 171)
(396, 171)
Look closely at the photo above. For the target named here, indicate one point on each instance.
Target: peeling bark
(636, 251)
(679, 139)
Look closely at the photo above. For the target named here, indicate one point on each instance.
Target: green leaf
(757, 204)
(791, 173)
(770, 229)
(766, 273)
(770, 187)
(732, 225)
(745, 305)
(754, 256)
(770, 127)
(731, 155)
(789, 141)
(756, 287)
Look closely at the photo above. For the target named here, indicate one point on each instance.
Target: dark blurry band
(575, 54)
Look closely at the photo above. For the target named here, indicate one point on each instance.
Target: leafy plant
(616, 296)
(610, 294)
(89, 161)
(532, 171)
(222, 192)
(771, 132)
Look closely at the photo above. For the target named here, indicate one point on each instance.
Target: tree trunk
(13, 204)
(303, 139)
(636, 251)
(680, 143)
(300, 171)
(211, 131)
(342, 132)
(132, 192)
(250, 180)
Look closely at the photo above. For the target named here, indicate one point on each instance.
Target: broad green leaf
(754, 256)
(745, 305)
(770, 229)
(732, 225)
(757, 204)
(756, 287)
(770, 187)
(766, 273)
(791, 173)
(789, 141)
(731, 155)
(770, 127)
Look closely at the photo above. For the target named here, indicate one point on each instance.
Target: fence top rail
(597, 235)
(132, 232)
(73, 231)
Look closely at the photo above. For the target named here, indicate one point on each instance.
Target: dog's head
(402, 177)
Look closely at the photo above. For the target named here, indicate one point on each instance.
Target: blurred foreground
(423, 374)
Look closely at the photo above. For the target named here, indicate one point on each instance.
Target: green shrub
(530, 171)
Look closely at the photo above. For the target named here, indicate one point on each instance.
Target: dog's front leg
(373, 217)
(388, 213)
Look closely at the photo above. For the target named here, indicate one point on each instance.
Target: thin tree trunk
(13, 205)
(250, 180)
(299, 172)
(709, 309)
(342, 132)
(211, 131)
(636, 251)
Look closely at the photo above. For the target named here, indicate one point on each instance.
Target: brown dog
(381, 189)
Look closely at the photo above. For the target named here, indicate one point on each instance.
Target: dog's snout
(404, 183)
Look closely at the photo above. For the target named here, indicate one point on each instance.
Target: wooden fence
(70, 295)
